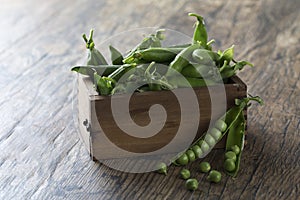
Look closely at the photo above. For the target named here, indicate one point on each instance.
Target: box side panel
(103, 121)
(84, 112)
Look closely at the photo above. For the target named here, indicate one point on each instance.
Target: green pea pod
(204, 56)
(227, 55)
(196, 71)
(236, 136)
(117, 74)
(179, 46)
(103, 84)
(182, 59)
(153, 40)
(200, 34)
(116, 56)
(190, 82)
(228, 71)
(103, 70)
(158, 55)
(94, 55)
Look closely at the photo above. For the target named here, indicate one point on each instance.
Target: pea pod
(182, 59)
(158, 55)
(228, 71)
(117, 74)
(235, 137)
(103, 84)
(204, 144)
(204, 56)
(179, 46)
(103, 70)
(94, 56)
(153, 40)
(116, 56)
(196, 71)
(200, 34)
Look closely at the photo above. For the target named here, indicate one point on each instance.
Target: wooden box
(94, 110)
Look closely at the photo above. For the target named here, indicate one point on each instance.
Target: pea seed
(191, 184)
(162, 168)
(185, 173)
(215, 133)
(210, 140)
(183, 159)
(204, 146)
(221, 125)
(230, 155)
(236, 149)
(214, 176)
(197, 151)
(191, 155)
(204, 167)
(229, 165)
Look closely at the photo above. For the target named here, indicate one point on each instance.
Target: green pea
(204, 167)
(210, 140)
(191, 184)
(230, 155)
(221, 125)
(214, 176)
(215, 133)
(236, 149)
(191, 155)
(183, 159)
(204, 146)
(185, 173)
(197, 150)
(162, 168)
(229, 165)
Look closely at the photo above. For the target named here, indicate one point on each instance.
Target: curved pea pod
(196, 71)
(204, 56)
(236, 137)
(103, 70)
(182, 59)
(116, 56)
(94, 56)
(200, 34)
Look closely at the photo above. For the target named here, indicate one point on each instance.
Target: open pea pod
(236, 136)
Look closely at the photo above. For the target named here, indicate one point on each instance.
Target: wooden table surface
(42, 156)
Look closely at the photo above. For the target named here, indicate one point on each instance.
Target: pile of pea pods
(196, 62)
(200, 65)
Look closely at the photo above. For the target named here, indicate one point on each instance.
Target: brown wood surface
(42, 156)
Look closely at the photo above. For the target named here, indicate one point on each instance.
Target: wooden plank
(41, 154)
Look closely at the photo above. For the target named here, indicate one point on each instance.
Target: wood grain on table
(42, 156)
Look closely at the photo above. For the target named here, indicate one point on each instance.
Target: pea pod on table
(235, 137)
